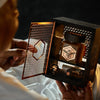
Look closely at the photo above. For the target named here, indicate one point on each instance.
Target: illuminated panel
(40, 37)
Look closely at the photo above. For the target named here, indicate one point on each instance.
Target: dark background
(42, 10)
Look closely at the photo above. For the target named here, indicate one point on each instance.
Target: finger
(11, 56)
(13, 63)
(6, 66)
(19, 62)
(32, 48)
(10, 60)
(13, 60)
(15, 52)
(17, 43)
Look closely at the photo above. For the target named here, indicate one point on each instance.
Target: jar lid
(74, 37)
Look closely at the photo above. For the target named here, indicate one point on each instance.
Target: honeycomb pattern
(84, 32)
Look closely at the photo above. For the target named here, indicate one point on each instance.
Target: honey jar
(72, 49)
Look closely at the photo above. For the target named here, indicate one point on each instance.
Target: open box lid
(40, 37)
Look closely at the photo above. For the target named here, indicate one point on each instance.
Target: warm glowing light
(42, 23)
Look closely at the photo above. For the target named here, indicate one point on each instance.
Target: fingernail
(32, 49)
(15, 58)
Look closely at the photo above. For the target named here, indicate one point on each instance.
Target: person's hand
(21, 44)
(72, 93)
(16, 55)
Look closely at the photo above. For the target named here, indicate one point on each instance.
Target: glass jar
(72, 49)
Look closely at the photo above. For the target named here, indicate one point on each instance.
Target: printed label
(69, 53)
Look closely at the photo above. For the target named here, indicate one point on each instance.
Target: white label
(69, 53)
